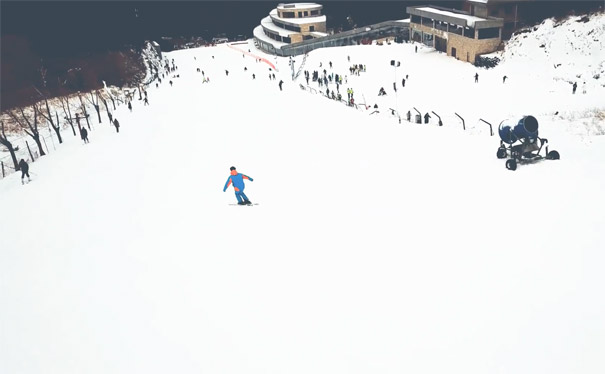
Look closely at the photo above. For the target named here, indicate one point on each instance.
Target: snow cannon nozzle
(525, 128)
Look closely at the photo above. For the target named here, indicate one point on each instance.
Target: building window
(315, 12)
(428, 39)
(306, 14)
(415, 19)
(453, 52)
(427, 22)
(441, 26)
(287, 14)
(287, 27)
(285, 39)
(469, 32)
(492, 32)
(311, 28)
(455, 29)
(299, 14)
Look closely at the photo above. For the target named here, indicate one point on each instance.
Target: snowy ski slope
(376, 247)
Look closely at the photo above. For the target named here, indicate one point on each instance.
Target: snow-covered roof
(298, 6)
(318, 34)
(269, 25)
(297, 21)
(470, 20)
(259, 33)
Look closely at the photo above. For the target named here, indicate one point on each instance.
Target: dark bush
(24, 72)
(486, 62)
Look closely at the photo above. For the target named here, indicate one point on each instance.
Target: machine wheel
(553, 155)
(501, 153)
(511, 164)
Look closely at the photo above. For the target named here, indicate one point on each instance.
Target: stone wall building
(457, 33)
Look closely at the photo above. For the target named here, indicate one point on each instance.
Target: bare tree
(5, 142)
(30, 127)
(94, 100)
(106, 108)
(48, 116)
(110, 95)
(84, 112)
(64, 100)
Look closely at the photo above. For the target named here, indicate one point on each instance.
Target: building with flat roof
(511, 11)
(290, 23)
(455, 32)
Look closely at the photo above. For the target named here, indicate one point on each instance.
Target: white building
(290, 23)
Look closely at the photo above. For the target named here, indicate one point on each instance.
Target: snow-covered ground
(376, 247)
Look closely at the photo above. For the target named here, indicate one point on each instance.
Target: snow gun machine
(520, 143)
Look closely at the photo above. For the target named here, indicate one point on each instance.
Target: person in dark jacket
(84, 134)
(24, 167)
(280, 84)
(575, 87)
(237, 179)
(129, 106)
(426, 118)
(116, 124)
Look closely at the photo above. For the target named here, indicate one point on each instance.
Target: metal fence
(27, 149)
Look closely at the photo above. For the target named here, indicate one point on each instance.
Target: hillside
(570, 50)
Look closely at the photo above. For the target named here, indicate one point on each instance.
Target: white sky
(376, 247)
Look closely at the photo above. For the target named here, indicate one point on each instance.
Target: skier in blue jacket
(238, 185)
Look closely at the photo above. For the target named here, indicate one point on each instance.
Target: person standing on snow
(238, 185)
(84, 134)
(24, 167)
(116, 124)
(280, 84)
(476, 77)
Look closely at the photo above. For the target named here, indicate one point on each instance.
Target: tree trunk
(36, 137)
(84, 112)
(11, 150)
(98, 109)
(5, 142)
(67, 113)
(58, 129)
(107, 109)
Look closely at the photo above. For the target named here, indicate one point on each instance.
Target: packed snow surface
(376, 247)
